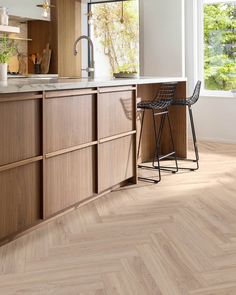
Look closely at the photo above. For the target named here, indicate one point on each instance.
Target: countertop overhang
(22, 85)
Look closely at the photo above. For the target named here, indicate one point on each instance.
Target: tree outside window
(220, 46)
(116, 36)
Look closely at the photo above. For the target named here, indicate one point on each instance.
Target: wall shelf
(9, 29)
(16, 38)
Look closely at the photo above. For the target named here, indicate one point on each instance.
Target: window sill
(218, 94)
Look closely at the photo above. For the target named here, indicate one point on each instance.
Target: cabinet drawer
(116, 162)
(69, 179)
(69, 121)
(20, 203)
(20, 130)
(116, 113)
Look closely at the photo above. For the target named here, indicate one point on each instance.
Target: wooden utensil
(46, 58)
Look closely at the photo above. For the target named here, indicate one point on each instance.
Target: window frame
(89, 9)
(201, 46)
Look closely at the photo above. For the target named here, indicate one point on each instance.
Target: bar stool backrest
(166, 92)
(196, 93)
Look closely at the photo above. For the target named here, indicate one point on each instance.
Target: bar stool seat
(154, 105)
(159, 107)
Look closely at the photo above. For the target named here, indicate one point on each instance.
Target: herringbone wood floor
(178, 237)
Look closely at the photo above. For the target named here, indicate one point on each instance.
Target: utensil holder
(37, 68)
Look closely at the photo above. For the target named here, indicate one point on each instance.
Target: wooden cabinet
(61, 33)
(116, 111)
(70, 120)
(20, 125)
(69, 179)
(116, 162)
(20, 205)
(117, 136)
(20, 162)
(70, 140)
(61, 148)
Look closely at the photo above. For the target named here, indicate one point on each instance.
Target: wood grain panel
(69, 179)
(146, 92)
(178, 122)
(178, 118)
(20, 198)
(41, 33)
(61, 33)
(20, 125)
(116, 113)
(66, 24)
(70, 121)
(115, 162)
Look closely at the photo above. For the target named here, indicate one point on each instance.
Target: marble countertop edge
(21, 85)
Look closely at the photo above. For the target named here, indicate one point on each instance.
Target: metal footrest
(166, 156)
(149, 180)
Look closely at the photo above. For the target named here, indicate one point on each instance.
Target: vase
(3, 72)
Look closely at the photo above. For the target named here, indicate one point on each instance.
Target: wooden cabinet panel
(70, 121)
(116, 113)
(69, 179)
(20, 198)
(20, 126)
(116, 162)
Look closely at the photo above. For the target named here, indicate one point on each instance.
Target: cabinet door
(116, 112)
(69, 179)
(116, 162)
(20, 203)
(19, 129)
(69, 121)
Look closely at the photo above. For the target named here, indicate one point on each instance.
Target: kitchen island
(65, 142)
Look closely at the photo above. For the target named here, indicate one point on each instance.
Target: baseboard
(217, 140)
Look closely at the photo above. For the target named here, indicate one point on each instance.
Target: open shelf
(9, 29)
(16, 38)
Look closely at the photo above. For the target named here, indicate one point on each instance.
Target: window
(219, 45)
(114, 29)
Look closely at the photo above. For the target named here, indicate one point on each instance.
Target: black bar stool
(189, 102)
(159, 107)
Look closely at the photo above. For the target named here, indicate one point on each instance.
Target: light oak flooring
(177, 237)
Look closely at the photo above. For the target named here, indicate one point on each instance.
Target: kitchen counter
(18, 85)
(65, 142)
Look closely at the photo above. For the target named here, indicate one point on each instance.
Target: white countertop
(20, 85)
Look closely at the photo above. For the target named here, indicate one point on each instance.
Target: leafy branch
(7, 49)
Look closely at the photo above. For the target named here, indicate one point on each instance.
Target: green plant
(220, 46)
(120, 41)
(7, 49)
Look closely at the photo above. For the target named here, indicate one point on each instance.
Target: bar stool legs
(164, 116)
(196, 160)
(139, 146)
(158, 137)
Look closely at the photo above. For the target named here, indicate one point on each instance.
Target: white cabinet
(24, 8)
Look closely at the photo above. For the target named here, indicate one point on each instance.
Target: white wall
(162, 41)
(23, 8)
(215, 118)
(162, 37)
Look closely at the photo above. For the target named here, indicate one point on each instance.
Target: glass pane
(220, 46)
(114, 30)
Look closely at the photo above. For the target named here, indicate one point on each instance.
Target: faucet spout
(91, 65)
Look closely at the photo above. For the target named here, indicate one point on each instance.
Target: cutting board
(46, 58)
(14, 66)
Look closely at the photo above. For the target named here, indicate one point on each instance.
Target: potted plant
(7, 50)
